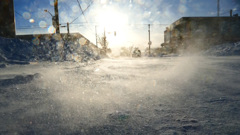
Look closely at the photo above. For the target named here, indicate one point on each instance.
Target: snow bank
(15, 49)
(228, 49)
(49, 49)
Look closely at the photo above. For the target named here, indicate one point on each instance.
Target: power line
(228, 12)
(18, 13)
(33, 28)
(95, 23)
(81, 10)
(225, 13)
(89, 24)
(84, 11)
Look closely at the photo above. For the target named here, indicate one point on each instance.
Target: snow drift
(46, 50)
(227, 49)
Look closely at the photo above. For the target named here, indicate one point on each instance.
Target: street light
(48, 12)
(54, 23)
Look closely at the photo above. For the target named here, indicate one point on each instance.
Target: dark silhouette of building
(202, 32)
(7, 23)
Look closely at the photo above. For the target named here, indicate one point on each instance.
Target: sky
(125, 21)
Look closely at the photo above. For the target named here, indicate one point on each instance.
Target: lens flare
(26, 15)
(42, 24)
(60, 45)
(82, 41)
(84, 5)
(75, 8)
(51, 2)
(35, 41)
(51, 29)
(182, 8)
(31, 20)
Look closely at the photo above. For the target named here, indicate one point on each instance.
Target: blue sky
(128, 18)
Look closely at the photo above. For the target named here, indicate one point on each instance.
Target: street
(167, 95)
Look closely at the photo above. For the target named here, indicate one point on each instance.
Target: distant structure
(201, 32)
(218, 7)
(7, 23)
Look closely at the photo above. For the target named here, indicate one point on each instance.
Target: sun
(111, 17)
(114, 23)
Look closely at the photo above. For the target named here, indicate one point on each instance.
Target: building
(201, 32)
(7, 23)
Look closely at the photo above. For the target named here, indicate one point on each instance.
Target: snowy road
(169, 95)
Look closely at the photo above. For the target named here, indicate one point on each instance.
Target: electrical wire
(87, 25)
(84, 11)
(224, 13)
(18, 13)
(81, 10)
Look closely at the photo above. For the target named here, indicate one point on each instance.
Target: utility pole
(68, 27)
(96, 34)
(218, 7)
(104, 42)
(149, 41)
(56, 16)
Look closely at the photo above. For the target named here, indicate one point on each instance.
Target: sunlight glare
(51, 29)
(103, 1)
(111, 17)
(114, 23)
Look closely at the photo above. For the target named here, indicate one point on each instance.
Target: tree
(126, 51)
(104, 44)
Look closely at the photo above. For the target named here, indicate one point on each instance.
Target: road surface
(168, 95)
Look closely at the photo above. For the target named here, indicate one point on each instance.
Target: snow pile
(78, 52)
(48, 49)
(15, 49)
(228, 49)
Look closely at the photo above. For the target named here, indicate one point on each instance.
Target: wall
(203, 32)
(7, 23)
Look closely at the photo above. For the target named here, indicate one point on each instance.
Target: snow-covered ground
(227, 49)
(169, 95)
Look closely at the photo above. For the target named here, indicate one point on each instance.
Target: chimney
(231, 13)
